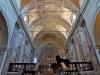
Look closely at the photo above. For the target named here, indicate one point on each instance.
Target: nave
(49, 37)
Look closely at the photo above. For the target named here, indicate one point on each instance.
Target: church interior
(49, 37)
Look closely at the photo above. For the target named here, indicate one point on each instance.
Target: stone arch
(3, 36)
(49, 36)
(3, 31)
(97, 30)
(47, 43)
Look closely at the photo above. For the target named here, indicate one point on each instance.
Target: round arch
(72, 5)
(49, 36)
(3, 32)
(57, 20)
(49, 42)
(97, 30)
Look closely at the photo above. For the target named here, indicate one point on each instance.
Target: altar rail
(26, 67)
(74, 66)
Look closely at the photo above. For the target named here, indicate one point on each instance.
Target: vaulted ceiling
(49, 22)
